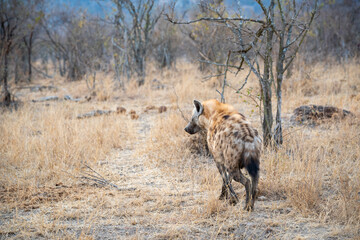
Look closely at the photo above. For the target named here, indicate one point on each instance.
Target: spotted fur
(234, 144)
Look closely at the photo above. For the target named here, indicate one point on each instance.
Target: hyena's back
(231, 136)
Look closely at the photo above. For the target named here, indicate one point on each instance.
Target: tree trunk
(268, 117)
(7, 96)
(64, 69)
(266, 86)
(140, 62)
(29, 51)
(60, 68)
(17, 77)
(29, 57)
(278, 137)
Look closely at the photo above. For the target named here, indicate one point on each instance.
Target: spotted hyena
(234, 144)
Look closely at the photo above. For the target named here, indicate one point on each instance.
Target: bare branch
(224, 81)
(211, 19)
(218, 64)
(245, 81)
(303, 35)
(212, 76)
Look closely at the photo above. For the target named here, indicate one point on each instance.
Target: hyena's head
(195, 125)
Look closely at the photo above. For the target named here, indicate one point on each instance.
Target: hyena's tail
(252, 157)
(253, 166)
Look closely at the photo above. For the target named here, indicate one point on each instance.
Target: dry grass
(316, 171)
(309, 188)
(43, 146)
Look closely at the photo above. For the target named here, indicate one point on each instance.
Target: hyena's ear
(199, 107)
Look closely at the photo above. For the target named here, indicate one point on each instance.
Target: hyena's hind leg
(254, 184)
(224, 192)
(227, 186)
(224, 189)
(239, 177)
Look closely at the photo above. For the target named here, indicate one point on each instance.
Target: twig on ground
(98, 179)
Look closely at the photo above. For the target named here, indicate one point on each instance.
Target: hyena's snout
(189, 129)
(186, 129)
(192, 128)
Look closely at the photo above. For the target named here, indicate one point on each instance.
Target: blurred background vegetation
(44, 38)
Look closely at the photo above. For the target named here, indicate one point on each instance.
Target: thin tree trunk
(7, 95)
(64, 69)
(268, 117)
(17, 77)
(140, 68)
(29, 50)
(29, 57)
(278, 137)
(60, 68)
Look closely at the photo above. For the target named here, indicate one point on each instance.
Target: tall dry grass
(317, 170)
(43, 145)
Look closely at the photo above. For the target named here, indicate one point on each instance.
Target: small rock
(121, 110)
(133, 115)
(162, 109)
